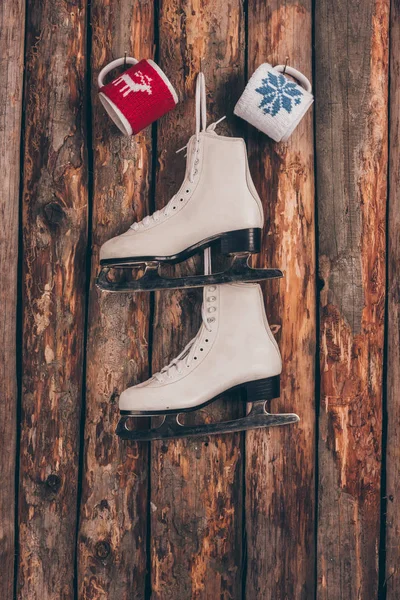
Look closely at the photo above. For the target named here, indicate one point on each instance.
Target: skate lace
(201, 126)
(184, 359)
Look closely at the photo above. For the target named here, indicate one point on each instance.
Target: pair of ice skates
(216, 206)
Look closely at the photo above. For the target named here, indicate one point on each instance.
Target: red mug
(138, 97)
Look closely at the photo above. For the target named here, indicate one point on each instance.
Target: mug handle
(302, 79)
(114, 63)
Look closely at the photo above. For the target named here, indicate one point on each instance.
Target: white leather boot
(216, 197)
(217, 204)
(233, 348)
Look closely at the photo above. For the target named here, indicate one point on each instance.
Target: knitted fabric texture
(138, 97)
(273, 103)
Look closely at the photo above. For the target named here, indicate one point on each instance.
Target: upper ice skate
(216, 205)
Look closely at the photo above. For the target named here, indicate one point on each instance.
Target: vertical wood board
(392, 549)
(196, 484)
(12, 25)
(280, 462)
(113, 526)
(55, 205)
(351, 144)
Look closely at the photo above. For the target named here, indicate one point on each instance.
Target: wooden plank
(54, 258)
(351, 127)
(12, 27)
(392, 583)
(196, 490)
(280, 462)
(112, 536)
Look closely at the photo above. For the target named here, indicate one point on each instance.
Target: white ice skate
(217, 205)
(234, 348)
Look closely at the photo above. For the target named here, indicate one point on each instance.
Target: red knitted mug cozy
(138, 97)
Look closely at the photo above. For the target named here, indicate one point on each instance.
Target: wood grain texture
(280, 462)
(54, 255)
(12, 27)
(196, 490)
(351, 128)
(199, 547)
(392, 583)
(112, 535)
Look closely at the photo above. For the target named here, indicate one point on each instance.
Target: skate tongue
(190, 155)
(189, 350)
(191, 146)
(186, 351)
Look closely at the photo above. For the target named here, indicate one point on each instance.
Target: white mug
(273, 103)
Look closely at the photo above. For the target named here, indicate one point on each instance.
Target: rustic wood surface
(196, 485)
(280, 462)
(351, 143)
(12, 20)
(299, 513)
(113, 527)
(392, 493)
(54, 213)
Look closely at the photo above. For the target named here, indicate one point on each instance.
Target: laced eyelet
(210, 320)
(211, 299)
(212, 288)
(211, 309)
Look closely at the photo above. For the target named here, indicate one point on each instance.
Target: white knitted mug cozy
(273, 103)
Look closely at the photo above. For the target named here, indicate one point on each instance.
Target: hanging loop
(112, 65)
(302, 79)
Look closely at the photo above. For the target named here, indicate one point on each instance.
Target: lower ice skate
(234, 348)
(216, 206)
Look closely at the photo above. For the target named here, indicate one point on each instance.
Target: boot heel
(241, 240)
(263, 389)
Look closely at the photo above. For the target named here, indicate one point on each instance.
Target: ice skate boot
(216, 206)
(234, 348)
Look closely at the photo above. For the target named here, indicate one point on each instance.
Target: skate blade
(171, 428)
(239, 271)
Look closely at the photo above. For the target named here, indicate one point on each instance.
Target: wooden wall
(309, 511)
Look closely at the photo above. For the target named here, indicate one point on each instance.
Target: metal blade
(172, 429)
(239, 271)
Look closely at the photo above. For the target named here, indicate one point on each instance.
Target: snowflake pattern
(278, 92)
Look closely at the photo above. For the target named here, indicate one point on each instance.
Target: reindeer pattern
(129, 85)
